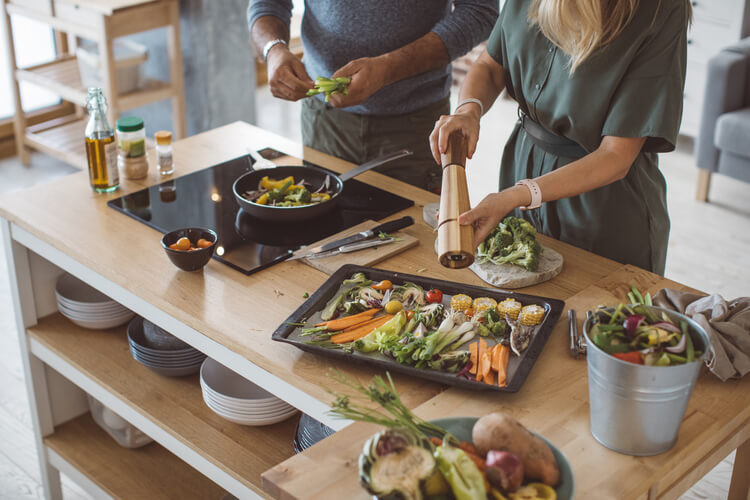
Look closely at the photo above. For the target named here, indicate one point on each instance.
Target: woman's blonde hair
(579, 27)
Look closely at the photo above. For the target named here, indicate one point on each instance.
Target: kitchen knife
(351, 247)
(387, 227)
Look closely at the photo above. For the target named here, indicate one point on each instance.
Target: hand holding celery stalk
(330, 86)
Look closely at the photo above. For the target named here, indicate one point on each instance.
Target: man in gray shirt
(397, 54)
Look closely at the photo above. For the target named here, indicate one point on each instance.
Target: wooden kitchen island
(63, 226)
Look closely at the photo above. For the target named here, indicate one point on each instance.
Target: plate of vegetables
(442, 331)
(494, 457)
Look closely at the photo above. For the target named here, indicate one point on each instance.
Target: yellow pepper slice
(534, 491)
(262, 199)
(270, 184)
(321, 197)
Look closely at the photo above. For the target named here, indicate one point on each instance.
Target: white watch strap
(536, 193)
(271, 44)
(475, 101)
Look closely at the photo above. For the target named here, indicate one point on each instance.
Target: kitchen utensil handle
(361, 245)
(376, 162)
(393, 225)
(573, 328)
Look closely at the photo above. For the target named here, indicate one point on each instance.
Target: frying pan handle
(380, 160)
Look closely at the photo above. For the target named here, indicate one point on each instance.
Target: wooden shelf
(62, 77)
(62, 138)
(148, 472)
(173, 404)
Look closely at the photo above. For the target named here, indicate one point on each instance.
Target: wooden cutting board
(366, 257)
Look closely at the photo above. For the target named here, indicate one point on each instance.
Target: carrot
(478, 461)
(496, 357)
(341, 323)
(473, 358)
(480, 354)
(358, 333)
(488, 377)
(468, 447)
(502, 366)
(368, 322)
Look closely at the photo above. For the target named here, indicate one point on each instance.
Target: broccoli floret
(278, 194)
(301, 195)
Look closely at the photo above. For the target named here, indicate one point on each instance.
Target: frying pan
(312, 175)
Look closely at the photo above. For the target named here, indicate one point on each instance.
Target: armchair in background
(723, 144)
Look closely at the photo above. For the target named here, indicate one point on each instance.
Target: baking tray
(518, 366)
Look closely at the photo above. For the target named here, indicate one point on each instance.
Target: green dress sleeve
(648, 100)
(495, 45)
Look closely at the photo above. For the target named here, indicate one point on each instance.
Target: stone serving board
(508, 276)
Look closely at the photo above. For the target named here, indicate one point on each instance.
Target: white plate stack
(88, 307)
(238, 400)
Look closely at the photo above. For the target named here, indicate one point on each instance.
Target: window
(35, 44)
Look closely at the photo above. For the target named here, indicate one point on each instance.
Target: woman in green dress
(599, 88)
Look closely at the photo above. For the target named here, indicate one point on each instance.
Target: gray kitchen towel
(727, 325)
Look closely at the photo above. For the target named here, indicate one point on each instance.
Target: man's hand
(368, 75)
(287, 76)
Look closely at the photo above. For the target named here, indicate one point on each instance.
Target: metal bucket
(637, 409)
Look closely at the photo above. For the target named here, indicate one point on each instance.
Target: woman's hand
(466, 120)
(492, 209)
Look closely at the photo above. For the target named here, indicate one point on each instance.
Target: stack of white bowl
(169, 360)
(88, 307)
(238, 400)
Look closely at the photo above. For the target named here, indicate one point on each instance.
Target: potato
(501, 432)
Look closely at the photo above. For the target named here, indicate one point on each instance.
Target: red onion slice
(667, 326)
(632, 323)
(679, 347)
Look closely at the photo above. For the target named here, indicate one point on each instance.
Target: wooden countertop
(239, 312)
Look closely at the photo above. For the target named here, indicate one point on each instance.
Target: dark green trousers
(360, 138)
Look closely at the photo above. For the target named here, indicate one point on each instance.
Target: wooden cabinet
(716, 24)
(101, 21)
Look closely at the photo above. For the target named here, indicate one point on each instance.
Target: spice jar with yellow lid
(164, 152)
(131, 145)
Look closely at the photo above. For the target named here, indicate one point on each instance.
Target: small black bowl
(185, 259)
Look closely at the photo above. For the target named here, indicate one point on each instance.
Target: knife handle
(393, 225)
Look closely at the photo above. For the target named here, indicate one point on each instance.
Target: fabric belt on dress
(551, 143)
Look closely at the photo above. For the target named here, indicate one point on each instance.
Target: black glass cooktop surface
(204, 198)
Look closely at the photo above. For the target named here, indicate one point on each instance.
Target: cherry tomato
(434, 296)
(183, 244)
(383, 285)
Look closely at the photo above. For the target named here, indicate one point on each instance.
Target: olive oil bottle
(101, 149)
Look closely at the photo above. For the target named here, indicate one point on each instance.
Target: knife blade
(351, 247)
(387, 227)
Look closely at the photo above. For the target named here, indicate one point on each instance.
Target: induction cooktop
(247, 244)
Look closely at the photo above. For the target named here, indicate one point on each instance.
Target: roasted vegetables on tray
(473, 337)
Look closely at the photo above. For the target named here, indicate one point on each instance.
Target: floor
(702, 254)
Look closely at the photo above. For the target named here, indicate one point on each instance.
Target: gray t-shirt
(335, 32)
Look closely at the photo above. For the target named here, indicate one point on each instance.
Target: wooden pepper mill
(455, 242)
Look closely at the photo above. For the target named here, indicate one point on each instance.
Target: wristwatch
(270, 44)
